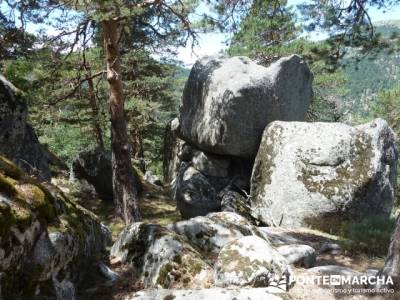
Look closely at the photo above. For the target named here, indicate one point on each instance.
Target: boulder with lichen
(161, 257)
(211, 232)
(47, 241)
(319, 174)
(250, 261)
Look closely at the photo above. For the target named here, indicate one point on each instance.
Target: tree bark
(124, 181)
(98, 132)
(392, 264)
(138, 153)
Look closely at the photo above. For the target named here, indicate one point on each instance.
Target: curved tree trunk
(124, 181)
(98, 132)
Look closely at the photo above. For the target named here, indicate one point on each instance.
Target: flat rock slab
(279, 236)
(205, 294)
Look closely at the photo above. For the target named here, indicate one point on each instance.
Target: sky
(213, 43)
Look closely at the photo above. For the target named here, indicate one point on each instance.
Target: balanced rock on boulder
(317, 174)
(227, 102)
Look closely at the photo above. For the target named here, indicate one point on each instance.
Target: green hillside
(367, 75)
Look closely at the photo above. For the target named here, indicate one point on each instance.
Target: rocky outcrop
(47, 241)
(161, 257)
(201, 177)
(227, 102)
(18, 140)
(94, 166)
(194, 194)
(210, 233)
(250, 261)
(318, 174)
(233, 201)
(195, 253)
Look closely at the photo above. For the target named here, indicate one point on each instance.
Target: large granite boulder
(161, 257)
(250, 261)
(227, 102)
(18, 140)
(210, 233)
(48, 243)
(318, 174)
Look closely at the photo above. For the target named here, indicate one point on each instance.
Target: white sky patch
(208, 44)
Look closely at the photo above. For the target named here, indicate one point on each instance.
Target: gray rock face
(194, 194)
(227, 102)
(46, 239)
(18, 140)
(205, 294)
(250, 261)
(232, 201)
(94, 166)
(162, 257)
(317, 174)
(210, 233)
(300, 255)
(201, 176)
(172, 147)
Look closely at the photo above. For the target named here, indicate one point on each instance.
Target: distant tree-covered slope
(368, 75)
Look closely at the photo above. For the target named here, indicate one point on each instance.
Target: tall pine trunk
(124, 181)
(98, 132)
(138, 152)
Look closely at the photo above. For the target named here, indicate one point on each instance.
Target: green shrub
(370, 236)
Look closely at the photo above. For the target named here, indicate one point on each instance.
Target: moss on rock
(29, 210)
